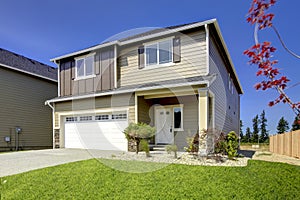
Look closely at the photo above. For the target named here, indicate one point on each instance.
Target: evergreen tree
(264, 135)
(241, 131)
(255, 132)
(282, 126)
(296, 124)
(248, 135)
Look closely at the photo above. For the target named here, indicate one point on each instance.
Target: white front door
(163, 124)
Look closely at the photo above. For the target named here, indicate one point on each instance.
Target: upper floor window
(85, 66)
(159, 53)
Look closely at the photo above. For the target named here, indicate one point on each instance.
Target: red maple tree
(260, 54)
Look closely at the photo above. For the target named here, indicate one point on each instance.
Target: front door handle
(170, 129)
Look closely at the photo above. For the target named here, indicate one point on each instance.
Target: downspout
(53, 122)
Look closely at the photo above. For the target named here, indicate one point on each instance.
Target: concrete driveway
(23, 161)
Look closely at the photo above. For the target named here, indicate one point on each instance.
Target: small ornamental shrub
(145, 147)
(193, 144)
(220, 144)
(232, 145)
(137, 132)
(172, 148)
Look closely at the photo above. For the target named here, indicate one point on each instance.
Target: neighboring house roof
(26, 65)
(199, 80)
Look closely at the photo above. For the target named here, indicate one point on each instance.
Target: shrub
(220, 144)
(172, 148)
(232, 145)
(145, 147)
(137, 132)
(193, 144)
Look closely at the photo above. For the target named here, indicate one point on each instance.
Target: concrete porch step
(157, 147)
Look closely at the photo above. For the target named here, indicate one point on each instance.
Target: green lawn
(92, 180)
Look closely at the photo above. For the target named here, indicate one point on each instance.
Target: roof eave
(26, 72)
(166, 32)
(228, 55)
(55, 100)
(85, 50)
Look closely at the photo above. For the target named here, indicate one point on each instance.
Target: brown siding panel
(89, 85)
(68, 78)
(103, 80)
(62, 79)
(105, 68)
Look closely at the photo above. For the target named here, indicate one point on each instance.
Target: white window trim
(157, 64)
(84, 57)
(181, 127)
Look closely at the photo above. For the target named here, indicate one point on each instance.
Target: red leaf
(257, 86)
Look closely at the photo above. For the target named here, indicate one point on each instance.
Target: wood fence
(286, 144)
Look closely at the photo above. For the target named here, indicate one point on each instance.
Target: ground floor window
(178, 118)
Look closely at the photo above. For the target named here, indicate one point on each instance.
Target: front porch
(177, 114)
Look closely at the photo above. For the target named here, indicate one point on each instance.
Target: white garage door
(103, 132)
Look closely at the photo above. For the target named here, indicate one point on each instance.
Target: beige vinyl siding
(193, 63)
(92, 104)
(56, 120)
(131, 114)
(22, 104)
(226, 103)
(190, 121)
(113, 101)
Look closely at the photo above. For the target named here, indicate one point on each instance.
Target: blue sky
(46, 29)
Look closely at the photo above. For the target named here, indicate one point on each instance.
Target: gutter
(207, 82)
(53, 122)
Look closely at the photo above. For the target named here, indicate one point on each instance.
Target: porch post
(202, 119)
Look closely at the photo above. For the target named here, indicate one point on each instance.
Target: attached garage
(103, 131)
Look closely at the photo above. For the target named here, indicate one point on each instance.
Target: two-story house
(179, 79)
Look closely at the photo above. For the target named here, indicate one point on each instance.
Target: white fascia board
(227, 53)
(169, 31)
(26, 72)
(85, 50)
(127, 91)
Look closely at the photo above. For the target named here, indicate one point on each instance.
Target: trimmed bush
(232, 145)
(137, 132)
(172, 148)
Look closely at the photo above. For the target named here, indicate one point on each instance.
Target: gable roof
(139, 37)
(166, 31)
(26, 65)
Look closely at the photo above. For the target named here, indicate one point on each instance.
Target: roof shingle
(23, 63)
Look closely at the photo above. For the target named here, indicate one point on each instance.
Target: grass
(93, 180)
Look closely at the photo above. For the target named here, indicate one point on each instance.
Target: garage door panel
(106, 135)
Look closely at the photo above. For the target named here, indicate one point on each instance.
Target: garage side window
(101, 117)
(71, 119)
(86, 118)
(119, 116)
